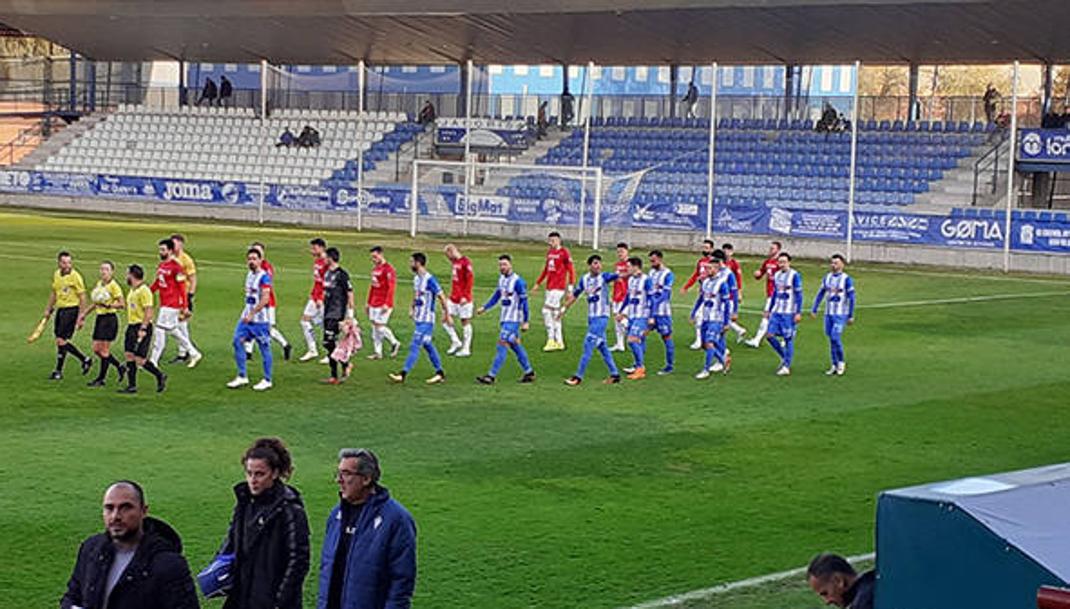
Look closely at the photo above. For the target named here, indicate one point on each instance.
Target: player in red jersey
(313, 314)
(560, 275)
(171, 285)
(620, 290)
(733, 265)
(767, 270)
(381, 304)
(705, 262)
(276, 334)
(460, 302)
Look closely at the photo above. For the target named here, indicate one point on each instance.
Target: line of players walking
(639, 302)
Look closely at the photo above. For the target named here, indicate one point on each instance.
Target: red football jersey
(769, 268)
(384, 281)
(319, 269)
(738, 272)
(171, 284)
(702, 262)
(620, 287)
(558, 271)
(462, 281)
(270, 270)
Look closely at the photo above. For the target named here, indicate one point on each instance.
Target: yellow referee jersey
(106, 296)
(187, 263)
(139, 299)
(68, 288)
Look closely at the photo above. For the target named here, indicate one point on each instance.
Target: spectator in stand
(837, 583)
(226, 90)
(830, 120)
(542, 124)
(567, 103)
(690, 99)
(136, 563)
(309, 138)
(287, 139)
(427, 113)
(209, 92)
(990, 98)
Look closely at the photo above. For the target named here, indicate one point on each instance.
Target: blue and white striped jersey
(733, 289)
(512, 293)
(425, 290)
(661, 292)
(598, 291)
(714, 302)
(787, 293)
(254, 282)
(840, 290)
(636, 303)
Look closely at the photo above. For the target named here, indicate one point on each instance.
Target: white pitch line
(978, 276)
(962, 300)
(694, 595)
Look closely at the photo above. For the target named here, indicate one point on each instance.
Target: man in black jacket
(136, 563)
(837, 583)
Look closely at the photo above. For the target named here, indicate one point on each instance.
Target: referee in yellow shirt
(139, 315)
(106, 300)
(190, 267)
(66, 300)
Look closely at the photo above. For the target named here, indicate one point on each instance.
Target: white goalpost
(554, 195)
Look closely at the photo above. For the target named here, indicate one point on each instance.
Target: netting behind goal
(552, 195)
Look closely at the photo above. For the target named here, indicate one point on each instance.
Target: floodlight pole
(713, 145)
(1012, 152)
(360, 145)
(467, 145)
(263, 137)
(854, 166)
(589, 91)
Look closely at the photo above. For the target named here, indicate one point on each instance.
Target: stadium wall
(1053, 264)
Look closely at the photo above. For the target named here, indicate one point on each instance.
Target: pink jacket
(350, 341)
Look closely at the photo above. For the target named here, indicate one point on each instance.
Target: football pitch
(529, 495)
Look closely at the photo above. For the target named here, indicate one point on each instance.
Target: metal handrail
(20, 141)
(988, 160)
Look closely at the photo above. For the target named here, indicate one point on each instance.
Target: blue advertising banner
(1036, 236)
(482, 137)
(1044, 146)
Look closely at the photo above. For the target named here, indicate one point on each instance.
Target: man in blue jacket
(369, 551)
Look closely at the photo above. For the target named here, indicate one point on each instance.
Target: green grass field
(531, 496)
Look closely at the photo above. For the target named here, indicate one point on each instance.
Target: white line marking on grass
(962, 300)
(752, 582)
(934, 273)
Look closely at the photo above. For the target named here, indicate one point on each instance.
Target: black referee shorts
(106, 327)
(66, 320)
(330, 330)
(135, 346)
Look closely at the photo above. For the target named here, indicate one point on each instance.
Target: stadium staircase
(61, 136)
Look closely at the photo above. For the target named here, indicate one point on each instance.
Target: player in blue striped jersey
(636, 309)
(784, 311)
(838, 291)
(661, 279)
(254, 323)
(425, 292)
(512, 297)
(716, 304)
(598, 289)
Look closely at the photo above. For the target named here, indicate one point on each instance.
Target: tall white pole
(414, 201)
(713, 146)
(467, 144)
(597, 229)
(263, 137)
(360, 145)
(588, 91)
(854, 166)
(1012, 152)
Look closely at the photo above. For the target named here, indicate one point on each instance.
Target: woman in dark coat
(268, 532)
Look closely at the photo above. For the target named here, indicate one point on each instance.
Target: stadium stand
(766, 162)
(231, 144)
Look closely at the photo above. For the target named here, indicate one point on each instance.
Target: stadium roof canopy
(609, 32)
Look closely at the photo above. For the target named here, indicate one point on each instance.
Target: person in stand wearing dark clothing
(209, 92)
(427, 113)
(337, 305)
(268, 533)
(837, 583)
(226, 90)
(309, 138)
(369, 551)
(136, 563)
(567, 104)
(989, 99)
(542, 124)
(286, 139)
(690, 99)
